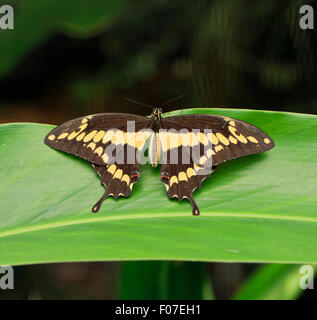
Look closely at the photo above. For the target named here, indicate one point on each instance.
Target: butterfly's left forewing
(89, 137)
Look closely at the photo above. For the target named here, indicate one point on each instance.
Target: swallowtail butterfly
(188, 147)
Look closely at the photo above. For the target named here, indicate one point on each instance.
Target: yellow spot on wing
(76, 133)
(78, 138)
(202, 160)
(165, 140)
(252, 139)
(105, 158)
(214, 140)
(193, 139)
(119, 137)
(240, 137)
(131, 185)
(218, 148)
(173, 180)
(51, 137)
(99, 150)
(203, 138)
(112, 168)
(99, 136)
(90, 135)
(266, 140)
(63, 135)
(233, 140)
(190, 172)
(222, 139)
(140, 139)
(108, 136)
(83, 127)
(182, 176)
(170, 140)
(126, 178)
(174, 140)
(73, 135)
(84, 120)
(210, 153)
(118, 174)
(92, 146)
(184, 139)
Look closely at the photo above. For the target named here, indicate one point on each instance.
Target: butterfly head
(157, 114)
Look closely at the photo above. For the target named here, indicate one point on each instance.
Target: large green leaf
(259, 208)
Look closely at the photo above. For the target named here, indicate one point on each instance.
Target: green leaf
(260, 208)
(272, 282)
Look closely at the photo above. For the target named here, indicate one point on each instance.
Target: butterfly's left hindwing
(118, 180)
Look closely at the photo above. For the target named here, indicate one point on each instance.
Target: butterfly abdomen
(154, 149)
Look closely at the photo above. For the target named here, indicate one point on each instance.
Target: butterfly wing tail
(118, 180)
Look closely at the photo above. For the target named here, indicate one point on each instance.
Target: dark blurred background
(65, 59)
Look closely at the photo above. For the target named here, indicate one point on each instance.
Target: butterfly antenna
(138, 102)
(174, 99)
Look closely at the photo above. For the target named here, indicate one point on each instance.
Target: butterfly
(188, 147)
